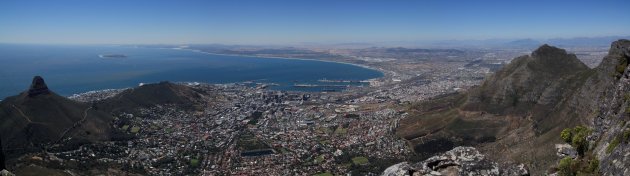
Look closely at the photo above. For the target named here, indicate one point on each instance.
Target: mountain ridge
(521, 108)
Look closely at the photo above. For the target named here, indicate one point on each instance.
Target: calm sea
(70, 69)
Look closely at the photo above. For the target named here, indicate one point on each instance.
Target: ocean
(70, 69)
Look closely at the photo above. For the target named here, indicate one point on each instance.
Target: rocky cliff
(611, 135)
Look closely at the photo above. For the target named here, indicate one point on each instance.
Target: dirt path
(22, 113)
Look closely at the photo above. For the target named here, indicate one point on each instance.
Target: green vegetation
(125, 127)
(566, 135)
(613, 144)
(570, 167)
(194, 162)
(577, 138)
(564, 167)
(319, 159)
(135, 129)
(623, 63)
(341, 130)
(593, 166)
(622, 137)
(324, 174)
(360, 160)
(323, 130)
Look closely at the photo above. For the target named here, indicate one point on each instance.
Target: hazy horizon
(290, 22)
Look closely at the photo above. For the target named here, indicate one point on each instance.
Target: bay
(70, 69)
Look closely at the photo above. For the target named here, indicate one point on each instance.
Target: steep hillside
(517, 114)
(38, 117)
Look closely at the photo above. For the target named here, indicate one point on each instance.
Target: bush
(623, 63)
(564, 167)
(593, 165)
(194, 162)
(579, 139)
(566, 135)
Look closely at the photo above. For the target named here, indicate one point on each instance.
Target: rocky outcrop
(38, 87)
(6, 173)
(564, 150)
(611, 130)
(458, 161)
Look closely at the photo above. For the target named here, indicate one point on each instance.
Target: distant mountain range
(529, 43)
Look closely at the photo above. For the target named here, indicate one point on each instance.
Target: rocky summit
(38, 87)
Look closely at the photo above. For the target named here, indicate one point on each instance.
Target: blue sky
(296, 21)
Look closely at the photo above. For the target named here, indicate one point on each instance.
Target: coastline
(287, 58)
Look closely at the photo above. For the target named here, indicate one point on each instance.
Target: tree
(579, 139)
(566, 135)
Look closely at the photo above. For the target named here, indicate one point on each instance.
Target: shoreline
(286, 58)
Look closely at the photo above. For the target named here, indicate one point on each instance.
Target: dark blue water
(70, 69)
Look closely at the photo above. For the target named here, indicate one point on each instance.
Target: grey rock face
(458, 161)
(564, 150)
(611, 122)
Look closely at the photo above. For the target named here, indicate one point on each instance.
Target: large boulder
(564, 150)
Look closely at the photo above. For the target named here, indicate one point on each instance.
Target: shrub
(593, 165)
(566, 135)
(623, 63)
(579, 139)
(564, 167)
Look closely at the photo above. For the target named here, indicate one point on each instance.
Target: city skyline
(293, 22)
